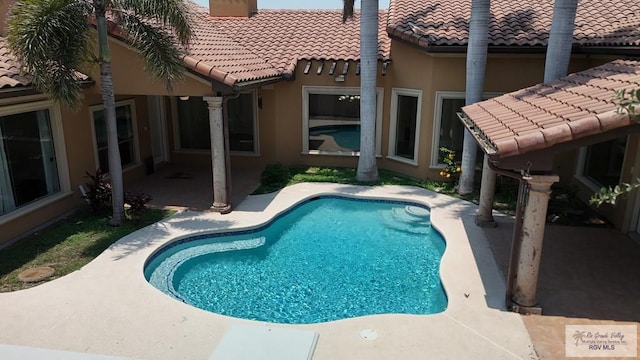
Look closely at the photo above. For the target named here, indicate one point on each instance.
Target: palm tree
(367, 168)
(476, 64)
(52, 39)
(560, 39)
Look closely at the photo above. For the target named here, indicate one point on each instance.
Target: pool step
(162, 277)
(411, 219)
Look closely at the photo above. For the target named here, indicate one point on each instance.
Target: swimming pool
(346, 136)
(326, 259)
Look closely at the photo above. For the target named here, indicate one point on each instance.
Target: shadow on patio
(587, 276)
(191, 187)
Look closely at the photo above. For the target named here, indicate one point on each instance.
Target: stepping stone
(36, 274)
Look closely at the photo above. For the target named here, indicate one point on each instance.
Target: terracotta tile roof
(543, 115)
(10, 69)
(217, 56)
(10, 78)
(513, 23)
(270, 43)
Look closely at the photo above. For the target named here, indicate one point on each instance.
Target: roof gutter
(252, 84)
(526, 49)
(13, 92)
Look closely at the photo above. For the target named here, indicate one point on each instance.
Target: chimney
(5, 6)
(236, 8)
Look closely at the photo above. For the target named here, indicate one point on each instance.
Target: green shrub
(98, 191)
(275, 174)
(137, 202)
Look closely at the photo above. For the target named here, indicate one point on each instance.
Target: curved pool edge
(161, 266)
(444, 209)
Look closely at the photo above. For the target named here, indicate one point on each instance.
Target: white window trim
(337, 90)
(579, 171)
(59, 146)
(437, 114)
(395, 92)
(134, 125)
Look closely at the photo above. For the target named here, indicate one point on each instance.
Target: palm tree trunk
(560, 39)
(533, 220)
(476, 64)
(115, 166)
(367, 168)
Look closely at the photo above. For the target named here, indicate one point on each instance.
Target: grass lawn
(505, 198)
(67, 246)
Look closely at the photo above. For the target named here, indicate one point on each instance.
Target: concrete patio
(108, 308)
(190, 187)
(588, 276)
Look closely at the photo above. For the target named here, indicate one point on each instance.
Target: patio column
(218, 159)
(533, 223)
(487, 191)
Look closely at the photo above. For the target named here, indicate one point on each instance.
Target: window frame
(134, 128)
(59, 146)
(580, 165)
(337, 90)
(395, 93)
(437, 114)
(176, 128)
(256, 136)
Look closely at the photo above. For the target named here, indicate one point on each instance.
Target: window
(405, 125)
(193, 115)
(241, 113)
(125, 122)
(331, 120)
(193, 123)
(601, 164)
(448, 129)
(28, 161)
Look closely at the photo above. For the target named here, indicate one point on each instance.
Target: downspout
(227, 157)
(523, 191)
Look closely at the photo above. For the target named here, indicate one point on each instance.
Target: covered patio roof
(563, 112)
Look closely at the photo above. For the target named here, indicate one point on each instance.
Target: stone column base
(221, 208)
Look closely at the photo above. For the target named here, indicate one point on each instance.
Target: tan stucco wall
(287, 137)
(80, 156)
(280, 119)
(130, 77)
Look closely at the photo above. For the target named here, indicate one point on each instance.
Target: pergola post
(218, 158)
(532, 235)
(484, 218)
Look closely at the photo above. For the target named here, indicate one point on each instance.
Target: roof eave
(421, 42)
(26, 90)
(485, 144)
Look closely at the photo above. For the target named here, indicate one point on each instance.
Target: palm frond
(162, 57)
(51, 40)
(347, 11)
(170, 13)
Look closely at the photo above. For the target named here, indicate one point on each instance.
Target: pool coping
(108, 308)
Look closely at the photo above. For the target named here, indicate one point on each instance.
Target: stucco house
(287, 81)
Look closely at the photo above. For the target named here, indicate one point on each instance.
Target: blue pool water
(327, 259)
(346, 136)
